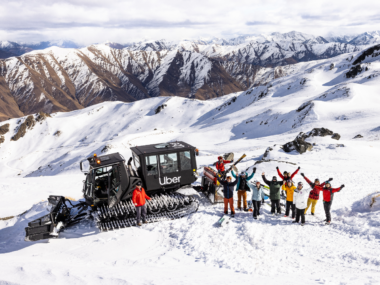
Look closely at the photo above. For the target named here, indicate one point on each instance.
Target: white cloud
(90, 21)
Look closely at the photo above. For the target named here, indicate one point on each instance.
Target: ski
(229, 169)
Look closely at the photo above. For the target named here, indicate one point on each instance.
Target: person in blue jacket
(257, 197)
(242, 187)
(228, 192)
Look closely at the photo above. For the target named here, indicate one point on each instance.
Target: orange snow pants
(242, 194)
(231, 202)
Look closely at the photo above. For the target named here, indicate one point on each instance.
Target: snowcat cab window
(185, 160)
(169, 163)
(115, 178)
(151, 165)
(101, 181)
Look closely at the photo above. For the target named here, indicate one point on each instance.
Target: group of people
(298, 198)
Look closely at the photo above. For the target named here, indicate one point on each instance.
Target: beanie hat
(274, 178)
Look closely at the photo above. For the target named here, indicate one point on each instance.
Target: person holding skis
(139, 199)
(228, 192)
(300, 200)
(314, 194)
(289, 189)
(220, 164)
(328, 195)
(274, 190)
(242, 187)
(257, 197)
(286, 176)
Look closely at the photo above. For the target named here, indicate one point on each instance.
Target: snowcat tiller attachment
(50, 225)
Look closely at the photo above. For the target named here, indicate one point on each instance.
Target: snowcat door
(115, 184)
(169, 171)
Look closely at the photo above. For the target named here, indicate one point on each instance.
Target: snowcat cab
(109, 185)
(165, 167)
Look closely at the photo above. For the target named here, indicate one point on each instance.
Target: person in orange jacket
(138, 199)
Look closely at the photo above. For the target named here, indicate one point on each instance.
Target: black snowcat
(107, 191)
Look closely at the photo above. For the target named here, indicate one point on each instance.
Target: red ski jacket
(314, 194)
(328, 193)
(282, 176)
(138, 197)
(220, 166)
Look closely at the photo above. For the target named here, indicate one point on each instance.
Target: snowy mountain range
(67, 78)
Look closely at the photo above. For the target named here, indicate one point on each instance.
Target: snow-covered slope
(191, 250)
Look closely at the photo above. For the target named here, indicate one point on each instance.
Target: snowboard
(224, 220)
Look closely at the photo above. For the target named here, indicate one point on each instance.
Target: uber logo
(170, 180)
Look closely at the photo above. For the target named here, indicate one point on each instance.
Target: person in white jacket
(300, 197)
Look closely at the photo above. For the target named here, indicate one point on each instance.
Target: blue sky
(92, 21)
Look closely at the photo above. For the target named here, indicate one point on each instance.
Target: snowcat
(109, 184)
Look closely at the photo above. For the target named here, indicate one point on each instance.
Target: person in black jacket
(228, 191)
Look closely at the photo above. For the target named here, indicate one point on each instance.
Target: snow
(193, 249)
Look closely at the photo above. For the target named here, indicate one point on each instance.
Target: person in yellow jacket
(289, 188)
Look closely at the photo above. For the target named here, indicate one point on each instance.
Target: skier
(220, 164)
(228, 192)
(328, 195)
(242, 187)
(314, 195)
(138, 199)
(300, 200)
(286, 176)
(289, 189)
(257, 197)
(274, 187)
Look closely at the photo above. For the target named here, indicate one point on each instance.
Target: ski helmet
(274, 178)
(300, 184)
(287, 181)
(242, 173)
(327, 182)
(219, 157)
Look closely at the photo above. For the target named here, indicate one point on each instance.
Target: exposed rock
(355, 70)
(26, 125)
(358, 136)
(4, 129)
(57, 133)
(42, 116)
(300, 145)
(371, 51)
(340, 145)
(332, 66)
(2, 139)
(160, 108)
(336, 136)
(106, 148)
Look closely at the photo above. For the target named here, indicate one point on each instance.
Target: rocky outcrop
(336, 136)
(300, 145)
(4, 129)
(359, 136)
(22, 129)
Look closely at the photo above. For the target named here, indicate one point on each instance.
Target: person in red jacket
(328, 195)
(286, 176)
(220, 164)
(314, 194)
(138, 199)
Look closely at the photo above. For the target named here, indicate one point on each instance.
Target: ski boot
(302, 224)
(294, 222)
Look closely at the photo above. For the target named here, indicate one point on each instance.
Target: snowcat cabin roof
(104, 160)
(161, 148)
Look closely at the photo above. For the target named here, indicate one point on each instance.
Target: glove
(254, 170)
(302, 174)
(276, 167)
(232, 160)
(299, 168)
(330, 179)
(341, 186)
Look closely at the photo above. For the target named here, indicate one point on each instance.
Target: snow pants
(327, 206)
(141, 212)
(242, 194)
(256, 208)
(300, 213)
(290, 204)
(313, 203)
(275, 204)
(230, 202)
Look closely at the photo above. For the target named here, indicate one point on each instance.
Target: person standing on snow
(139, 199)
(220, 164)
(328, 195)
(300, 200)
(242, 187)
(289, 189)
(286, 176)
(314, 194)
(257, 197)
(228, 192)
(274, 190)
